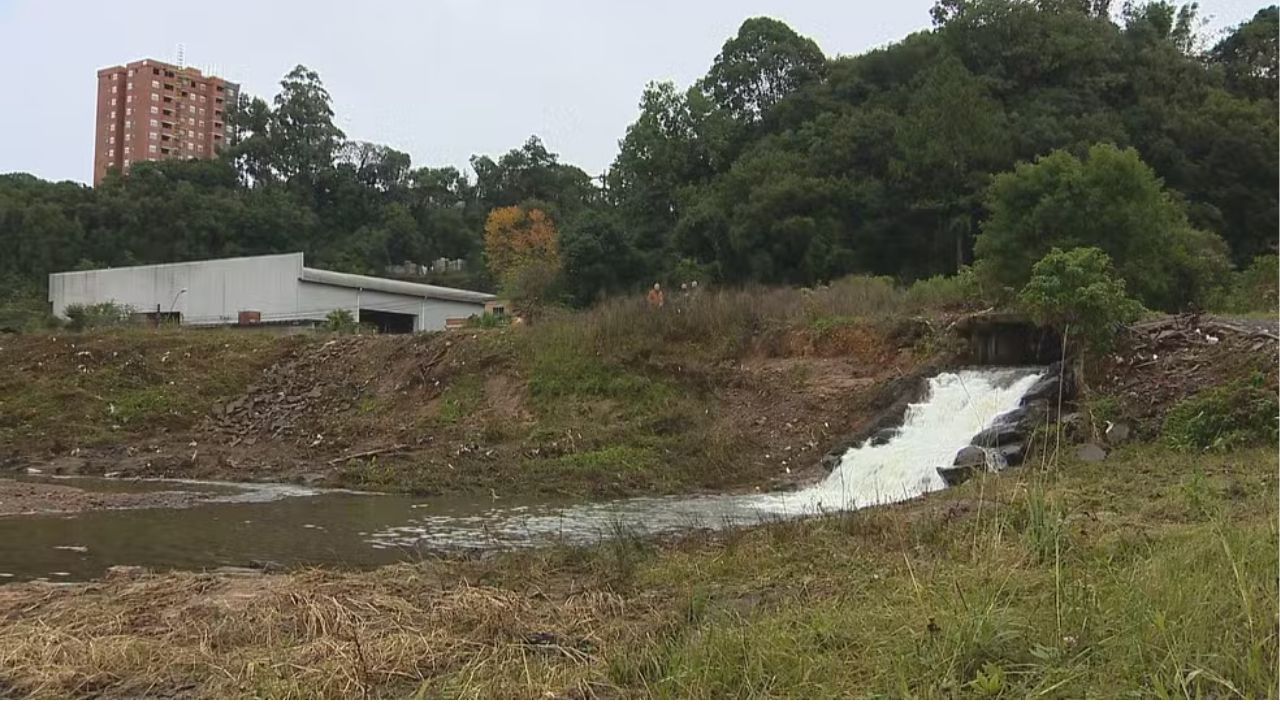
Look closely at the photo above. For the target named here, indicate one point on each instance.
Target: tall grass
(724, 323)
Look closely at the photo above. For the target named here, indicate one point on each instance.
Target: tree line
(1007, 129)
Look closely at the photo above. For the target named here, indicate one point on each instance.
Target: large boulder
(1117, 433)
(1058, 382)
(970, 456)
(1091, 453)
(953, 476)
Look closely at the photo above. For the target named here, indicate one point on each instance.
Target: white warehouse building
(264, 289)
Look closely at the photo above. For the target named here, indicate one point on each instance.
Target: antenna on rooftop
(181, 56)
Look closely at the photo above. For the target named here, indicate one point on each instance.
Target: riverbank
(1151, 574)
(736, 390)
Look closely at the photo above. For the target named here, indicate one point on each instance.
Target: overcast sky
(441, 80)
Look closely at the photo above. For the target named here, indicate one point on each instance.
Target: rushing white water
(958, 406)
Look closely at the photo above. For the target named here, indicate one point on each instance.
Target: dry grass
(1150, 575)
(393, 632)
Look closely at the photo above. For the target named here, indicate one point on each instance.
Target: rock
(1091, 453)
(956, 475)
(882, 437)
(970, 456)
(1074, 427)
(125, 572)
(998, 435)
(1117, 433)
(1054, 384)
(1013, 453)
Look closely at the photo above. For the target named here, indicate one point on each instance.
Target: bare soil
(22, 498)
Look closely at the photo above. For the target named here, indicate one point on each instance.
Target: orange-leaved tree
(514, 237)
(522, 252)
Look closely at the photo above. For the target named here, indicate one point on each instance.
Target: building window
(200, 147)
(152, 135)
(111, 140)
(201, 122)
(114, 76)
(130, 84)
(191, 146)
(154, 110)
(155, 84)
(111, 152)
(151, 149)
(155, 71)
(113, 102)
(130, 73)
(113, 114)
(126, 149)
(126, 162)
(128, 124)
(167, 86)
(155, 97)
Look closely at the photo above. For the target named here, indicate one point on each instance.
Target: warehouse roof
(326, 277)
(400, 287)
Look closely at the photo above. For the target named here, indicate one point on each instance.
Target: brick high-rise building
(151, 110)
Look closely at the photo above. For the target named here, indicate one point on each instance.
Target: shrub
(100, 315)
(1228, 417)
(340, 321)
(1254, 289)
(532, 285)
(1077, 292)
(946, 292)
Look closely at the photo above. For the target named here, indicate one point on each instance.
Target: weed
(1238, 414)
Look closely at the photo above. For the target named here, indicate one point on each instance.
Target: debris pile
(1157, 363)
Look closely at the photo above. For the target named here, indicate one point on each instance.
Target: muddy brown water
(255, 525)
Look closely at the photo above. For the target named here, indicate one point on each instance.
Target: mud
(25, 498)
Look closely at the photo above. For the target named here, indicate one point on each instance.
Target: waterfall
(956, 407)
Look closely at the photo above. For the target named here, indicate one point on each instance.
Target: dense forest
(1008, 128)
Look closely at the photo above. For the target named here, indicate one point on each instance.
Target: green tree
(599, 257)
(759, 66)
(1077, 292)
(1249, 56)
(1110, 200)
(303, 139)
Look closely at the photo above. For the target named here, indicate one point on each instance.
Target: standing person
(656, 299)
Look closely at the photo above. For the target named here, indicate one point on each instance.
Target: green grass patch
(1239, 414)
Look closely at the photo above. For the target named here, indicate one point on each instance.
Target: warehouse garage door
(388, 322)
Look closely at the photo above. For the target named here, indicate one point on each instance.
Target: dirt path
(20, 498)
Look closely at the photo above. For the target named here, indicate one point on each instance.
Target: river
(245, 525)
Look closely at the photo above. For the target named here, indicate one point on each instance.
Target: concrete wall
(217, 290)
